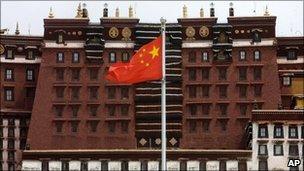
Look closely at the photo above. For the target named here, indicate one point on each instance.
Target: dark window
(60, 57)
(11, 144)
(242, 73)
(243, 91)
(75, 57)
(222, 73)
(9, 94)
(192, 74)
(206, 126)
(59, 74)
(242, 55)
(111, 110)
(293, 150)
(9, 54)
(75, 93)
(30, 55)
(263, 150)
(278, 150)
(11, 132)
(60, 38)
(256, 37)
(223, 125)
(84, 166)
(124, 93)
(11, 155)
(59, 110)
(111, 127)
(30, 76)
(257, 73)
(263, 131)
(192, 92)
(111, 93)
(93, 74)
(257, 55)
(206, 109)
(222, 165)
(243, 109)
(258, 90)
(9, 74)
(192, 126)
(93, 92)
(75, 74)
(124, 126)
(205, 74)
(75, 109)
(124, 110)
(125, 57)
(59, 126)
(293, 131)
(93, 126)
(278, 131)
(205, 57)
(222, 91)
(192, 57)
(193, 109)
(30, 92)
(22, 144)
(11, 122)
(291, 55)
(93, 110)
(74, 126)
(205, 89)
(263, 165)
(112, 57)
(65, 165)
(59, 92)
(286, 81)
(223, 109)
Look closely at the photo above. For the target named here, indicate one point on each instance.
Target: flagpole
(163, 97)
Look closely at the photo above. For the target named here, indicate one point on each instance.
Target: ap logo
(293, 162)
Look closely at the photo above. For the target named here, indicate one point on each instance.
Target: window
(11, 156)
(242, 73)
(9, 94)
(29, 75)
(11, 144)
(278, 131)
(111, 110)
(257, 55)
(30, 55)
(111, 127)
(243, 109)
(9, 54)
(192, 126)
(257, 73)
(11, 122)
(75, 74)
(293, 150)
(124, 126)
(60, 38)
(243, 91)
(205, 74)
(222, 73)
(258, 90)
(293, 131)
(192, 57)
(278, 150)
(263, 166)
(60, 57)
(125, 57)
(59, 110)
(124, 110)
(223, 109)
(206, 126)
(111, 93)
(263, 131)
(205, 57)
(75, 109)
(223, 126)
(93, 110)
(75, 93)
(59, 126)
(205, 89)
(206, 109)
(59, 74)
(74, 126)
(256, 37)
(93, 73)
(11, 132)
(222, 165)
(286, 81)
(192, 92)
(291, 55)
(242, 55)
(75, 57)
(93, 126)
(192, 109)
(9, 75)
(124, 93)
(192, 74)
(60, 92)
(222, 91)
(112, 57)
(93, 92)
(22, 144)
(263, 150)
(65, 165)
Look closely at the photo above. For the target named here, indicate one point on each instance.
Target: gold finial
(117, 12)
(17, 32)
(201, 12)
(79, 11)
(185, 13)
(266, 11)
(51, 15)
(130, 12)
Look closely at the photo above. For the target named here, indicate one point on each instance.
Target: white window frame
(286, 80)
(8, 74)
(205, 57)
(29, 74)
(9, 95)
(75, 58)
(242, 55)
(257, 55)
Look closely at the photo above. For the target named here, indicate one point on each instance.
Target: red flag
(145, 65)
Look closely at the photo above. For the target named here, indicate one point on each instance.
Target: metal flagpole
(163, 97)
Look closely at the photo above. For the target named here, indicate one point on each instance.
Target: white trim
(66, 44)
(236, 43)
(119, 45)
(20, 60)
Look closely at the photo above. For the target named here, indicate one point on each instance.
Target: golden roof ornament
(185, 13)
(79, 11)
(85, 13)
(201, 12)
(117, 12)
(51, 14)
(266, 13)
(17, 32)
(131, 12)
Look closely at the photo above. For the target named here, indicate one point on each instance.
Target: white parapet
(114, 166)
(94, 165)
(55, 165)
(74, 165)
(193, 165)
(31, 165)
(213, 165)
(134, 165)
(232, 165)
(173, 166)
(153, 166)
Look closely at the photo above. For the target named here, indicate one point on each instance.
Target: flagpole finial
(266, 11)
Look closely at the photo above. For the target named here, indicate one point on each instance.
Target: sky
(30, 14)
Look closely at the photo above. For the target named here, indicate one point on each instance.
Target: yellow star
(142, 61)
(147, 64)
(140, 55)
(154, 52)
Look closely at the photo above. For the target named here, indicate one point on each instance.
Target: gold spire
(51, 15)
(130, 12)
(117, 12)
(185, 13)
(17, 32)
(79, 11)
(266, 13)
(201, 12)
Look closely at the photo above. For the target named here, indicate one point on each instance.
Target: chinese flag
(145, 65)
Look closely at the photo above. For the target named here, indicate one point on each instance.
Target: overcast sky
(30, 14)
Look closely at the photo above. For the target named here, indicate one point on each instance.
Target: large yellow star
(154, 52)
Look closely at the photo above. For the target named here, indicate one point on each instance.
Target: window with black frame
(293, 131)
(278, 150)
(263, 131)
(263, 150)
(293, 150)
(278, 131)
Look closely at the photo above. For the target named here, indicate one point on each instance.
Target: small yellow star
(154, 52)
(147, 64)
(142, 61)
(144, 50)
(140, 55)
